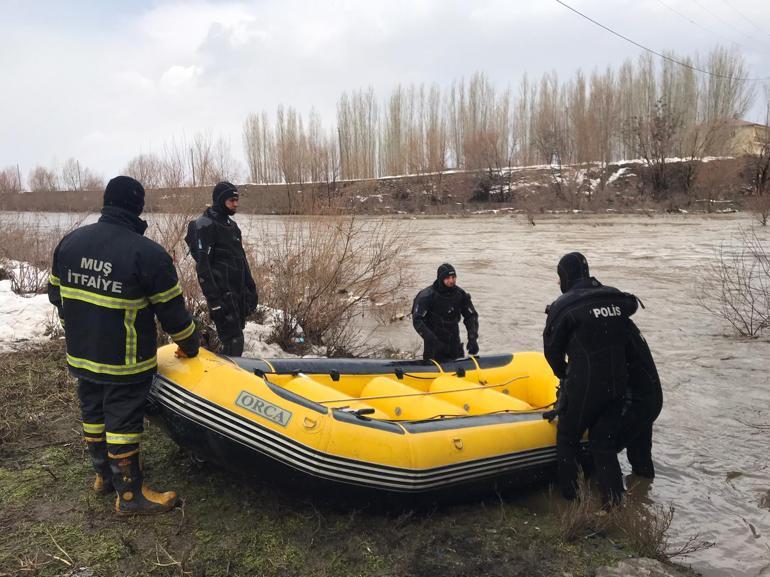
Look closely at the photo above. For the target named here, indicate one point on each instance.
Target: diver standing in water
(584, 341)
(436, 313)
(644, 401)
(223, 270)
(109, 283)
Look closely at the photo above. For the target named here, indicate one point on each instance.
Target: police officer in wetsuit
(644, 401)
(436, 313)
(109, 283)
(223, 269)
(584, 341)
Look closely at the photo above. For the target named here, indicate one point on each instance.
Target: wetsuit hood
(444, 271)
(221, 192)
(572, 268)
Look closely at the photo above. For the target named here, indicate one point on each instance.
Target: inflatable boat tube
(383, 426)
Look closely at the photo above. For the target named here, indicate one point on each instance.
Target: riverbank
(705, 185)
(54, 525)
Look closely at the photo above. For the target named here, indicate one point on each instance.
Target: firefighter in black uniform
(644, 401)
(223, 269)
(108, 283)
(436, 313)
(585, 343)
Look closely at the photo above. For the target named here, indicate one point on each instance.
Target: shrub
(26, 249)
(323, 272)
(736, 286)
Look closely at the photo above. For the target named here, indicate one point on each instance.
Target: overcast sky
(102, 81)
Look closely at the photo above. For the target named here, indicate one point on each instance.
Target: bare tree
(759, 167)
(42, 179)
(9, 180)
(173, 170)
(223, 165)
(259, 146)
(655, 137)
(71, 175)
(736, 287)
(325, 272)
(202, 159)
(147, 169)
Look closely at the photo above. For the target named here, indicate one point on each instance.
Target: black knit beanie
(572, 267)
(445, 270)
(125, 192)
(222, 191)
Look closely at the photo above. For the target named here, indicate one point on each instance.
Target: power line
(726, 23)
(694, 23)
(664, 56)
(746, 18)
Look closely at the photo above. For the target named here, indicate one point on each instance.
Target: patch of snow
(23, 270)
(23, 319)
(255, 345)
(619, 174)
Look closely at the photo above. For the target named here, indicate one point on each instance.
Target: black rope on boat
(514, 411)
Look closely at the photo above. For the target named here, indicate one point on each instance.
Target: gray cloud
(103, 86)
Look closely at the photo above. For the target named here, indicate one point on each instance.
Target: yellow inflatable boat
(405, 427)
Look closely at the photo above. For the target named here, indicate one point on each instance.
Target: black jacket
(436, 313)
(223, 269)
(108, 283)
(588, 325)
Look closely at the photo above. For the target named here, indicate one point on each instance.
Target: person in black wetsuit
(584, 341)
(436, 313)
(644, 401)
(223, 270)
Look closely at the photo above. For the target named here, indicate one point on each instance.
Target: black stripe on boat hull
(182, 409)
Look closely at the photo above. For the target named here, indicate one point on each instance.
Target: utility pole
(80, 183)
(18, 175)
(192, 166)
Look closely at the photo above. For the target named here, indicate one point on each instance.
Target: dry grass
(32, 246)
(642, 526)
(26, 408)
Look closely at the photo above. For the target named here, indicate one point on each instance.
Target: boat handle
(310, 423)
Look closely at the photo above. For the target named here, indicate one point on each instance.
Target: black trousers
(230, 333)
(601, 418)
(636, 437)
(443, 352)
(115, 410)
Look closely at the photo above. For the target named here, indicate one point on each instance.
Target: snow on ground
(255, 346)
(28, 319)
(23, 319)
(621, 173)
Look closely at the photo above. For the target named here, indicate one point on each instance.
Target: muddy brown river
(712, 466)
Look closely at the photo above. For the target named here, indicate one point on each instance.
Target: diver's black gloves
(559, 405)
(473, 347)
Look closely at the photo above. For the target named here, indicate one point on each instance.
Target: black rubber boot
(609, 476)
(134, 498)
(97, 449)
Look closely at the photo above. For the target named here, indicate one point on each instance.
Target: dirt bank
(707, 185)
